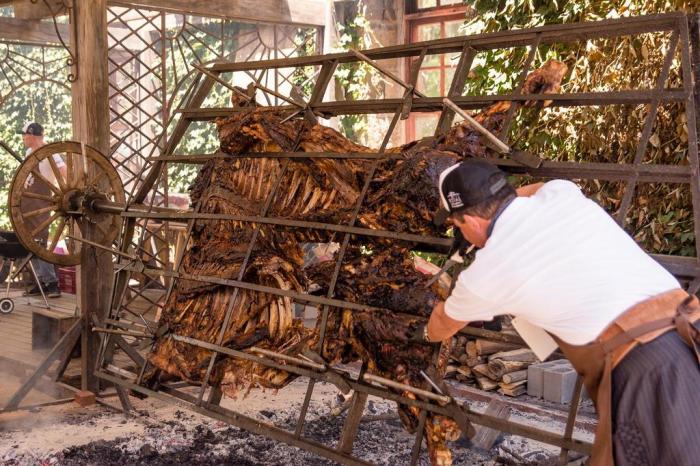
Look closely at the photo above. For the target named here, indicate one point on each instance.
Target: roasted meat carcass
(401, 197)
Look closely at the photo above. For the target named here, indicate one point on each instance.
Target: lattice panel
(151, 58)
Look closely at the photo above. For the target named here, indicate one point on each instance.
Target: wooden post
(90, 94)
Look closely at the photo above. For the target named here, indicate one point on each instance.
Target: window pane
(427, 3)
(425, 125)
(449, 74)
(452, 28)
(450, 2)
(429, 31)
(431, 60)
(429, 82)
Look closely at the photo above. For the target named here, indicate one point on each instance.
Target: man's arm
(529, 189)
(442, 326)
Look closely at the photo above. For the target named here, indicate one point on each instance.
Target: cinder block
(559, 384)
(535, 376)
(84, 398)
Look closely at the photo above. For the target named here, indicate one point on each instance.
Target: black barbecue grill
(10, 251)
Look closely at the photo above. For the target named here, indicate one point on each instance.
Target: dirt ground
(163, 434)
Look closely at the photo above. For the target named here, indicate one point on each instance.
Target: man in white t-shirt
(555, 258)
(33, 138)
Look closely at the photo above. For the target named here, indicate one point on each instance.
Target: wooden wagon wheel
(50, 195)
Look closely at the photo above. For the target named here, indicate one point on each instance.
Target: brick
(535, 376)
(559, 384)
(84, 398)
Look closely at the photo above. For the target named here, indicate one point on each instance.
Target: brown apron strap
(687, 331)
(627, 336)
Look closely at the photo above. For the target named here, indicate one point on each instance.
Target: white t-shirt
(45, 167)
(561, 262)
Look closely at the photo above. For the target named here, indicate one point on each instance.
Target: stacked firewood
(490, 365)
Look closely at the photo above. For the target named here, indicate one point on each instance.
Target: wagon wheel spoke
(57, 234)
(42, 197)
(70, 169)
(94, 180)
(43, 210)
(44, 224)
(39, 176)
(56, 173)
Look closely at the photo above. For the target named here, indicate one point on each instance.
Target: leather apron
(642, 323)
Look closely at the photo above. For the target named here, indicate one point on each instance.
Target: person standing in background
(33, 138)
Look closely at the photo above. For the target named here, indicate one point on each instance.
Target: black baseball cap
(467, 184)
(33, 128)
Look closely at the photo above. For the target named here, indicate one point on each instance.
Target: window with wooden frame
(436, 71)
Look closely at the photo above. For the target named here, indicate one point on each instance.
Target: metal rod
(501, 146)
(105, 248)
(286, 357)
(571, 420)
(402, 386)
(121, 332)
(386, 72)
(433, 104)
(486, 41)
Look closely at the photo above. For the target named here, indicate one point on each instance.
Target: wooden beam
(90, 108)
(306, 12)
(31, 31)
(25, 9)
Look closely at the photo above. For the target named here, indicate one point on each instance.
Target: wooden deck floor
(16, 327)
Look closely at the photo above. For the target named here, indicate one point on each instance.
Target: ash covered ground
(161, 434)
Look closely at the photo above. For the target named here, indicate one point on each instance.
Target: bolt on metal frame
(689, 268)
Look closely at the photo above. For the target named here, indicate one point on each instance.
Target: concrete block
(84, 398)
(535, 376)
(559, 384)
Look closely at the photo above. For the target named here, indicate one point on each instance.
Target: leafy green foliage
(47, 102)
(355, 80)
(660, 218)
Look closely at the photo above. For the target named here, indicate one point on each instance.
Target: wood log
(516, 376)
(486, 347)
(465, 371)
(512, 385)
(471, 350)
(517, 391)
(485, 383)
(523, 354)
(499, 368)
(451, 371)
(475, 361)
(484, 371)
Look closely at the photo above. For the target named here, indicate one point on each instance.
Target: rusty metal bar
(505, 129)
(286, 357)
(486, 41)
(408, 87)
(646, 131)
(571, 420)
(686, 65)
(125, 333)
(501, 147)
(418, 442)
(433, 104)
(402, 386)
(233, 417)
(459, 80)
